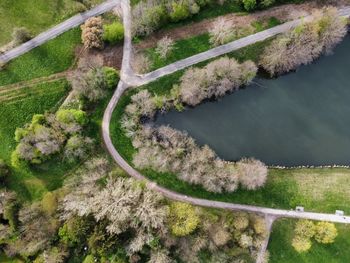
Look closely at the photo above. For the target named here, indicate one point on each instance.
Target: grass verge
(281, 250)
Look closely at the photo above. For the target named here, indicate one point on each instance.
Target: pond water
(301, 118)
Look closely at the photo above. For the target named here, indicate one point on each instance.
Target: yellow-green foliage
(305, 228)
(301, 244)
(49, 203)
(325, 232)
(183, 219)
(241, 221)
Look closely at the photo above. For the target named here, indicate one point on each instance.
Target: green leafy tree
(301, 244)
(305, 228)
(113, 33)
(325, 232)
(179, 12)
(183, 219)
(249, 5)
(112, 77)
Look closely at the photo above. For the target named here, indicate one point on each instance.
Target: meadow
(36, 16)
(281, 250)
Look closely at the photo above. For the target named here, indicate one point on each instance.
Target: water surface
(301, 118)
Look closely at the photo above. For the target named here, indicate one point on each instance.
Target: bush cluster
(93, 84)
(151, 15)
(305, 43)
(113, 33)
(305, 230)
(50, 134)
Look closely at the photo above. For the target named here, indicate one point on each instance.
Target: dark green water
(301, 118)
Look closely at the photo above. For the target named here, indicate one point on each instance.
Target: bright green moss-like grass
(54, 56)
(30, 184)
(37, 15)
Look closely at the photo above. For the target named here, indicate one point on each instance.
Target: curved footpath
(127, 75)
(58, 30)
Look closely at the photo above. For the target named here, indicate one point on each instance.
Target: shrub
(249, 5)
(183, 219)
(301, 244)
(89, 259)
(325, 232)
(148, 18)
(75, 230)
(91, 85)
(179, 11)
(112, 77)
(47, 136)
(305, 229)
(164, 47)
(113, 33)
(221, 32)
(245, 241)
(141, 63)
(77, 147)
(49, 203)
(267, 3)
(92, 32)
(252, 173)
(241, 221)
(72, 116)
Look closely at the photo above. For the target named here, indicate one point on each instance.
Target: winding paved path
(128, 76)
(58, 30)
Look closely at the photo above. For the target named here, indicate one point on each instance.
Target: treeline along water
(301, 118)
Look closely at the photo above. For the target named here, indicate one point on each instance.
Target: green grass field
(37, 16)
(14, 113)
(317, 189)
(281, 250)
(55, 56)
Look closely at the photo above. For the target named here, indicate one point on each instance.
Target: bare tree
(164, 47)
(221, 32)
(92, 33)
(252, 173)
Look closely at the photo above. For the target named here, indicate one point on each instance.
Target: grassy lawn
(188, 47)
(282, 251)
(30, 184)
(55, 56)
(311, 188)
(37, 16)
